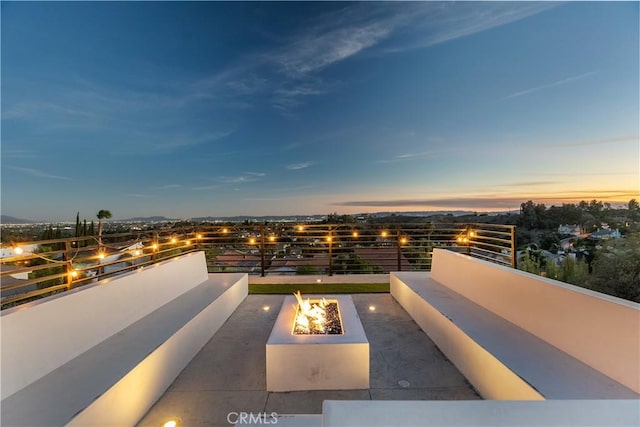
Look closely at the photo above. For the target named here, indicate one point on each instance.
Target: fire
(310, 317)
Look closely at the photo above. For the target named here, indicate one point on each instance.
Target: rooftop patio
(188, 344)
(228, 374)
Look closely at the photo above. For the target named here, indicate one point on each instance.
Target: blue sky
(210, 108)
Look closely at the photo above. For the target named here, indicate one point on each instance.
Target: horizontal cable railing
(53, 266)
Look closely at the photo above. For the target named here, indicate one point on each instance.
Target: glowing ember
(317, 318)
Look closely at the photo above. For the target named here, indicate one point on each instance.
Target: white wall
(41, 336)
(600, 330)
(133, 396)
(492, 378)
(489, 413)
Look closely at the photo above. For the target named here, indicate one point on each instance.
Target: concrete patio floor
(229, 373)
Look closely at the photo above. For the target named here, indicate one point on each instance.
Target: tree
(528, 216)
(569, 270)
(102, 214)
(617, 271)
(634, 209)
(78, 230)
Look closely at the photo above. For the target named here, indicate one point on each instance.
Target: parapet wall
(600, 330)
(42, 336)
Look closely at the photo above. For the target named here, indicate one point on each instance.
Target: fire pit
(317, 317)
(317, 344)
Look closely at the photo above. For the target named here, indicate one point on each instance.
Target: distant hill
(148, 219)
(6, 219)
(271, 218)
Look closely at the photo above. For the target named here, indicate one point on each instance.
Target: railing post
(330, 238)
(66, 257)
(514, 252)
(262, 231)
(398, 245)
(155, 245)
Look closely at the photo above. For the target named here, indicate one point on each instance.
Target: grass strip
(318, 288)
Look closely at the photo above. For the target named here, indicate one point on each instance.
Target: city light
(18, 250)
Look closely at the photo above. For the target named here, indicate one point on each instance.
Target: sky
(285, 108)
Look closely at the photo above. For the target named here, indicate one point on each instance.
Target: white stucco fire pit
(318, 361)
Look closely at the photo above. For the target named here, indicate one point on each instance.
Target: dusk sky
(269, 108)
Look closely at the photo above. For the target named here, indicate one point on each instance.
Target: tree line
(586, 214)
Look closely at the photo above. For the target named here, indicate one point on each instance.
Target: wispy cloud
(168, 187)
(140, 196)
(314, 51)
(490, 201)
(207, 187)
(549, 85)
(408, 156)
(614, 140)
(529, 183)
(289, 95)
(245, 177)
(187, 141)
(32, 108)
(18, 154)
(38, 173)
(426, 24)
(290, 72)
(298, 166)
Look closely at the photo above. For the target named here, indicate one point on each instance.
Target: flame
(310, 316)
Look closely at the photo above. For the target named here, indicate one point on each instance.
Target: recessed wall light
(172, 422)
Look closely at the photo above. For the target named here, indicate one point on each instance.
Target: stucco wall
(39, 337)
(600, 330)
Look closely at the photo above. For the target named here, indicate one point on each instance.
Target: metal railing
(54, 266)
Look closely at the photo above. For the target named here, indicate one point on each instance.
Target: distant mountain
(6, 219)
(270, 218)
(148, 219)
